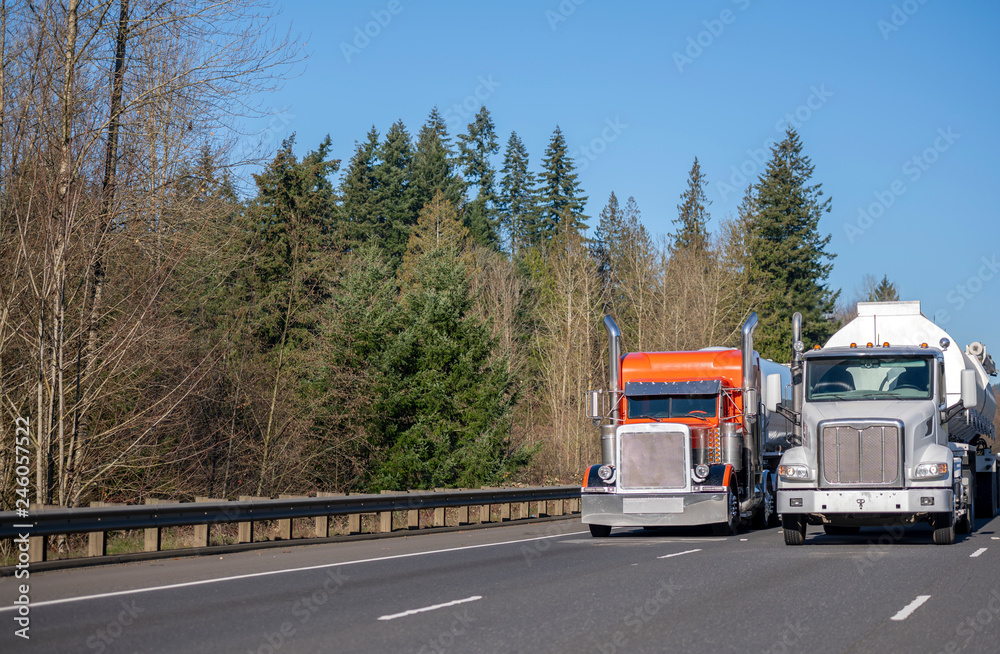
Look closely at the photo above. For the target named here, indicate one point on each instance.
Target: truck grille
(653, 460)
(862, 455)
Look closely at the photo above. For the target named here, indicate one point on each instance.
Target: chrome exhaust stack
(751, 423)
(796, 368)
(608, 442)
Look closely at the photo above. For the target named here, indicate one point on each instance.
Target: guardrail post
(353, 523)
(244, 530)
(385, 518)
(37, 545)
(439, 513)
(523, 511)
(152, 538)
(202, 533)
(323, 521)
(412, 517)
(285, 525)
(484, 510)
(542, 508)
(557, 507)
(505, 511)
(97, 542)
(463, 513)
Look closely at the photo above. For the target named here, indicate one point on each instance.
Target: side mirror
(595, 405)
(772, 392)
(970, 395)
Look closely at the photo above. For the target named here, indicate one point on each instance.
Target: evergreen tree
(395, 203)
(787, 253)
(358, 210)
(433, 168)
(449, 414)
(438, 227)
(692, 214)
(559, 196)
(291, 222)
(517, 204)
(475, 149)
(885, 291)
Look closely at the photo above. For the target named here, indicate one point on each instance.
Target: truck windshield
(868, 378)
(671, 406)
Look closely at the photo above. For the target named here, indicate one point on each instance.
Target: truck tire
(794, 529)
(967, 523)
(766, 515)
(732, 523)
(840, 530)
(986, 491)
(600, 531)
(943, 525)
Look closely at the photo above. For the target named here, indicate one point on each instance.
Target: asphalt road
(547, 587)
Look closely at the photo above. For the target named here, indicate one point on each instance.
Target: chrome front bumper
(860, 502)
(627, 510)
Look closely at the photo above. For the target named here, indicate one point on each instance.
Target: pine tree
(787, 253)
(885, 291)
(692, 214)
(438, 227)
(559, 196)
(396, 205)
(517, 204)
(433, 165)
(291, 224)
(358, 215)
(475, 149)
(449, 413)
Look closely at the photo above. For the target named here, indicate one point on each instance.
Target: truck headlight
(701, 472)
(793, 471)
(930, 470)
(606, 473)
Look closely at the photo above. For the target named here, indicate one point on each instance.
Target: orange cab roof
(726, 365)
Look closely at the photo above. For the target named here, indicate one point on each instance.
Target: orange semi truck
(687, 439)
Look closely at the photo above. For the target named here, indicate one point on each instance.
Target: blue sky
(895, 102)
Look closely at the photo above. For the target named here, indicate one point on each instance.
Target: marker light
(886, 344)
(870, 345)
(854, 344)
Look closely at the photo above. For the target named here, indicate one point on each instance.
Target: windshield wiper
(649, 417)
(692, 415)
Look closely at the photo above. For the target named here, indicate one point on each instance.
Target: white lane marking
(430, 608)
(667, 556)
(251, 575)
(911, 607)
(994, 537)
(977, 552)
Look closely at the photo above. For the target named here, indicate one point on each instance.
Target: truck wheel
(600, 531)
(732, 523)
(766, 515)
(987, 493)
(944, 529)
(967, 523)
(840, 530)
(794, 529)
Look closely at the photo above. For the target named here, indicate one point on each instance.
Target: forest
(425, 314)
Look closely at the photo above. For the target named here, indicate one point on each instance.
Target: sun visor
(699, 387)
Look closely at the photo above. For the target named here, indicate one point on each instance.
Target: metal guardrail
(97, 520)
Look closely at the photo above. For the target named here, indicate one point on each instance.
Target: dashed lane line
(977, 552)
(430, 608)
(667, 556)
(905, 612)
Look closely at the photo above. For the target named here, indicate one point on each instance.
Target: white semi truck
(894, 425)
